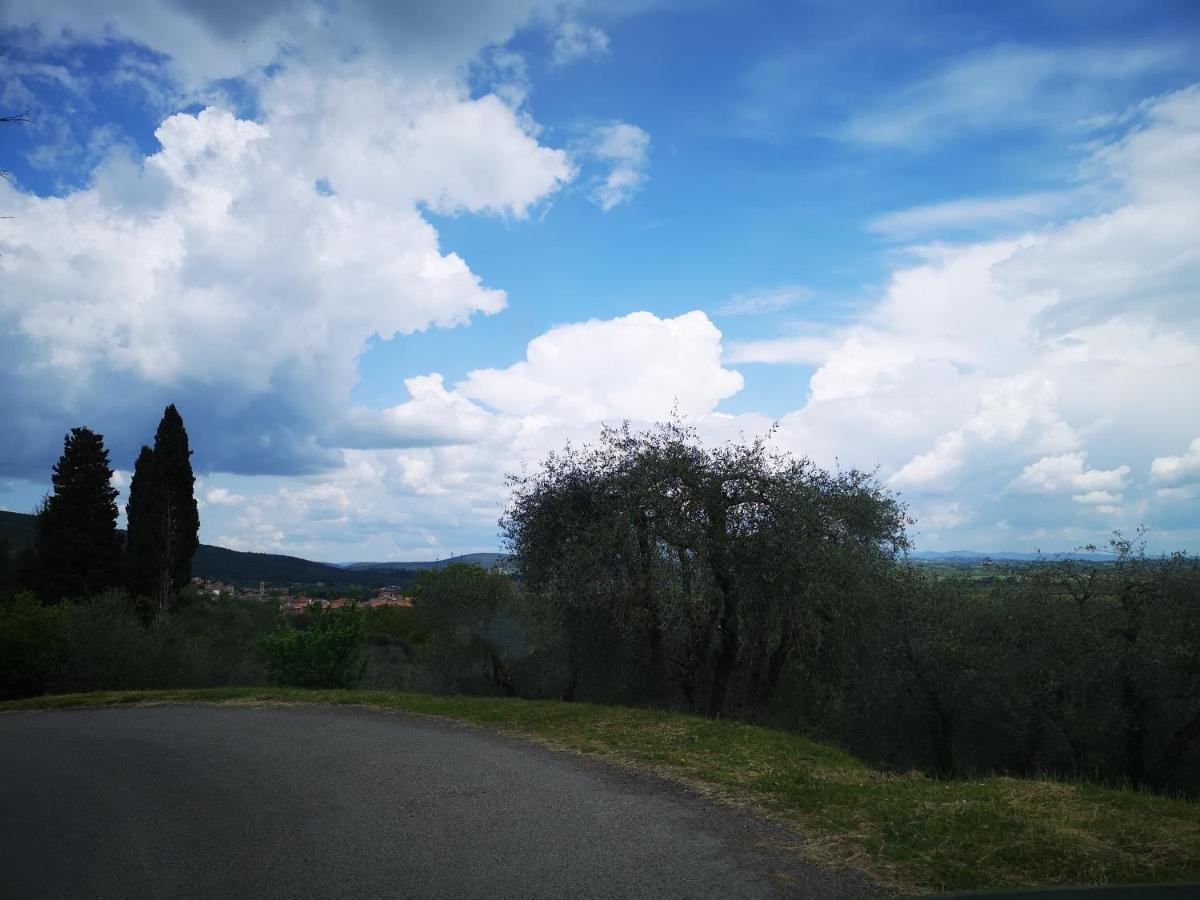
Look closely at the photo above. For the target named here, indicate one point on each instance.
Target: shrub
(31, 643)
(329, 652)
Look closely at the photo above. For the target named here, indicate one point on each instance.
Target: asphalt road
(218, 801)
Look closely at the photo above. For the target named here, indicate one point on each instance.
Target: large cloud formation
(1025, 391)
(1030, 389)
(242, 267)
(1017, 391)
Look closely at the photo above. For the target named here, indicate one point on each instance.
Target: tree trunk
(165, 571)
(727, 626)
(501, 677)
(942, 731)
(1136, 709)
(775, 664)
(727, 648)
(1177, 746)
(568, 694)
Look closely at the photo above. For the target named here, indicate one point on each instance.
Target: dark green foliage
(164, 523)
(655, 571)
(704, 568)
(172, 460)
(394, 642)
(1075, 668)
(78, 548)
(105, 644)
(7, 567)
(143, 545)
(19, 529)
(472, 626)
(394, 623)
(327, 649)
(30, 644)
(739, 583)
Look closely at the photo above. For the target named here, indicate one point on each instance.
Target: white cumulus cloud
(637, 366)
(1069, 472)
(240, 269)
(1177, 469)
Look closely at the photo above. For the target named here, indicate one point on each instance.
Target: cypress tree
(78, 548)
(143, 511)
(164, 524)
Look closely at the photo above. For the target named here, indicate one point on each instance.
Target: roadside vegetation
(904, 830)
(1037, 728)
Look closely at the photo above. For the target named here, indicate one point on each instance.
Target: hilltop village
(297, 598)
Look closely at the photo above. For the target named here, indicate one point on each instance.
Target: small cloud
(946, 515)
(1176, 469)
(1007, 86)
(970, 213)
(625, 148)
(574, 41)
(1095, 498)
(1177, 494)
(433, 417)
(764, 300)
(223, 497)
(1069, 471)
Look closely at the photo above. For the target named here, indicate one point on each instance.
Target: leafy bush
(329, 651)
(30, 645)
(474, 628)
(106, 644)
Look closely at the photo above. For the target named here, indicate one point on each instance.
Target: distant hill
(237, 567)
(18, 529)
(1005, 556)
(250, 568)
(486, 560)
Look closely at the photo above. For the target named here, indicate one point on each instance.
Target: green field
(905, 831)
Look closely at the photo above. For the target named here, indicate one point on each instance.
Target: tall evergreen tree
(164, 523)
(143, 511)
(78, 548)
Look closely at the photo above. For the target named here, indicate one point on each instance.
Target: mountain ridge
(239, 566)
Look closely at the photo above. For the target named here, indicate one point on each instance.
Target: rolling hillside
(234, 566)
(485, 560)
(17, 529)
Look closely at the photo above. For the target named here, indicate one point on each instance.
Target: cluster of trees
(651, 569)
(735, 582)
(78, 551)
(106, 642)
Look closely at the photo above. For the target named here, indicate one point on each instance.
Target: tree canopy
(710, 563)
(164, 522)
(78, 548)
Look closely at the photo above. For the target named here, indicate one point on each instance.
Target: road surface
(311, 801)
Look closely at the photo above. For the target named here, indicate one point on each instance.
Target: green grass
(904, 831)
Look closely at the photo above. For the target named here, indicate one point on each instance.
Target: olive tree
(709, 566)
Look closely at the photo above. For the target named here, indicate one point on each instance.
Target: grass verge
(903, 831)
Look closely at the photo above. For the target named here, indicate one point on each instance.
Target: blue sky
(380, 254)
